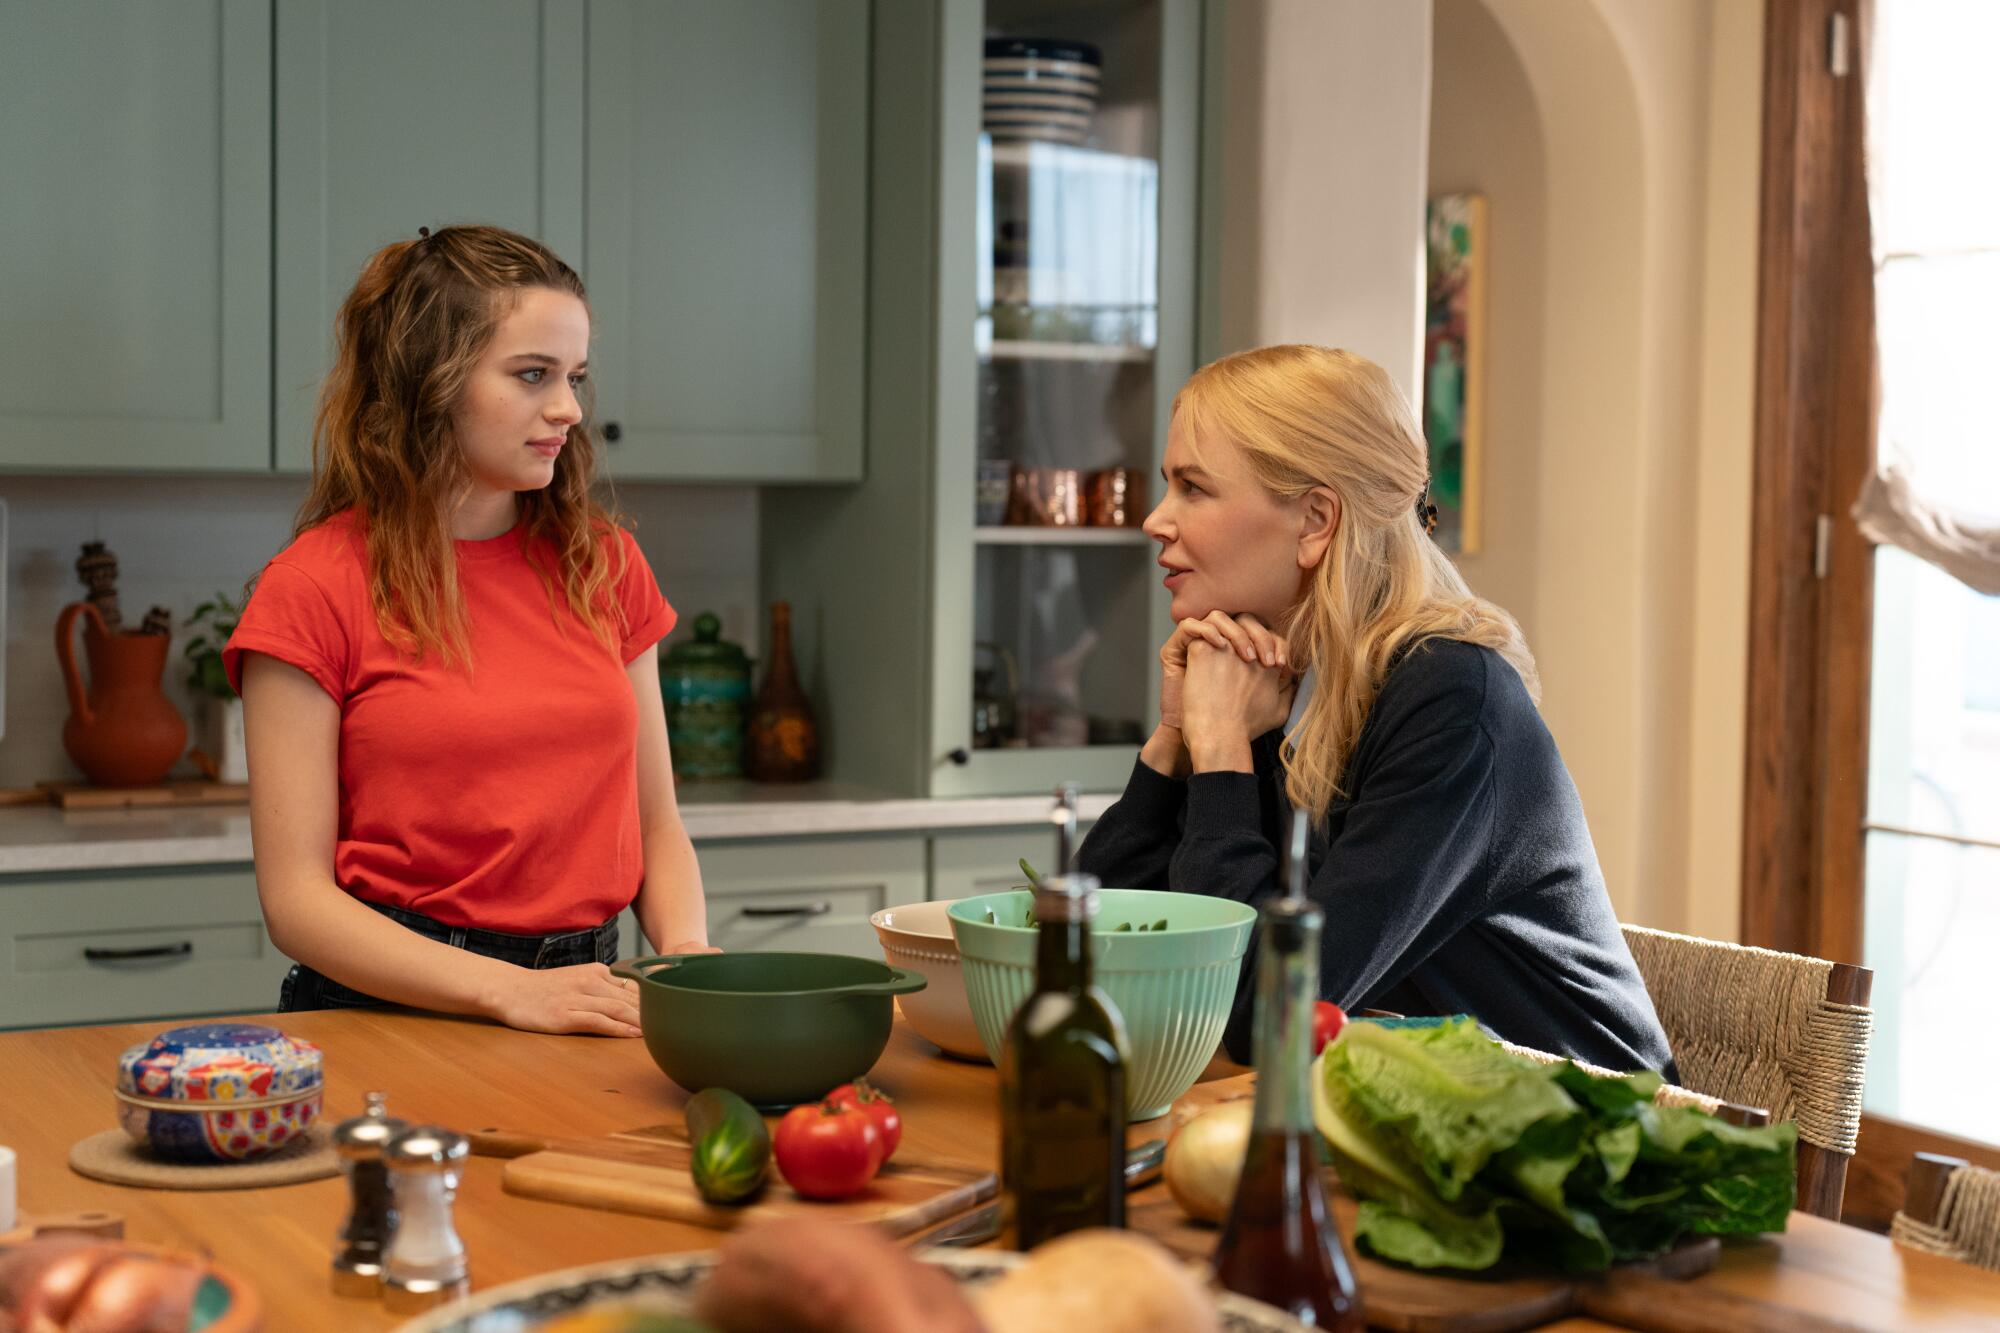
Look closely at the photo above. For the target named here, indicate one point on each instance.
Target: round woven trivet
(114, 1157)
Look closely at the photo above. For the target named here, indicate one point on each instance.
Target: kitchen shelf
(1009, 535)
(1006, 349)
(1024, 153)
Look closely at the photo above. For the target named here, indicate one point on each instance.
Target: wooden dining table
(56, 1088)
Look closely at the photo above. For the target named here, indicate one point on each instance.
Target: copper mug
(1047, 497)
(1114, 498)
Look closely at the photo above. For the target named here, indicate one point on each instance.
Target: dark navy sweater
(1457, 876)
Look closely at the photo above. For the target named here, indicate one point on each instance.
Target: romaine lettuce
(1461, 1150)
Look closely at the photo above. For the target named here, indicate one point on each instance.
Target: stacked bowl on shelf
(1039, 88)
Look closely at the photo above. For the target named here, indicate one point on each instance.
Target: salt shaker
(425, 1262)
(371, 1219)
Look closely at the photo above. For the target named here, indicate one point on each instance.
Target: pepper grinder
(424, 1265)
(357, 1265)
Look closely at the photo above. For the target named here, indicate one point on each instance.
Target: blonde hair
(1307, 416)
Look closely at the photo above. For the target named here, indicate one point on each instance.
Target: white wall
(179, 540)
(1323, 177)
(1619, 446)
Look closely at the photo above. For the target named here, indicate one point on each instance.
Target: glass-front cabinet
(1068, 154)
(982, 615)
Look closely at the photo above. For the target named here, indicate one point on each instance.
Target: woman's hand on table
(585, 998)
(1233, 692)
(816, 1276)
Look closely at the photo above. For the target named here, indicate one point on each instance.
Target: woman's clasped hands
(1224, 681)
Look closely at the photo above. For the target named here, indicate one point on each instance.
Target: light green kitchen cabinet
(135, 235)
(393, 116)
(1032, 312)
(726, 236)
(989, 860)
(802, 895)
(134, 945)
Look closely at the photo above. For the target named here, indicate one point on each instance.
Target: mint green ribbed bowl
(1172, 987)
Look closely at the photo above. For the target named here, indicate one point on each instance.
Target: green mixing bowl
(1173, 987)
(774, 1028)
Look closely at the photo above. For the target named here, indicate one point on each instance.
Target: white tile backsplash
(179, 540)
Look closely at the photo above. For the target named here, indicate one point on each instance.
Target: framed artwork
(1455, 363)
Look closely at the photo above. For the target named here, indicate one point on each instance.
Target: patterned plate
(664, 1284)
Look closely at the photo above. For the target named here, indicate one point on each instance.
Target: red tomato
(1328, 1020)
(880, 1108)
(827, 1152)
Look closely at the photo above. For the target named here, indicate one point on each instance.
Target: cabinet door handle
(613, 432)
(808, 909)
(180, 949)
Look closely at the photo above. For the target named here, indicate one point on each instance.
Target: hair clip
(1427, 513)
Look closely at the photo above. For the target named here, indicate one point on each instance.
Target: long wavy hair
(1309, 416)
(408, 338)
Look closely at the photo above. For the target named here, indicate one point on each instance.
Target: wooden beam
(1805, 751)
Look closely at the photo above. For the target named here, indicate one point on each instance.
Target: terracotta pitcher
(122, 730)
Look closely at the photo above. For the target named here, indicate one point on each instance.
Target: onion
(137, 1293)
(88, 1286)
(1205, 1159)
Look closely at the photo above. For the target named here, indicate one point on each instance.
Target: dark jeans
(306, 989)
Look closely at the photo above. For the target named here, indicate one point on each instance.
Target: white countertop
(43, 838)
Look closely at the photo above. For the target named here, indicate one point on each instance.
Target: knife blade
(1143, 1165)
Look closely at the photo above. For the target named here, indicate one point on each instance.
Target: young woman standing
(456, 738)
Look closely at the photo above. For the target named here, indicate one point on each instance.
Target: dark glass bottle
(1280, 1245)
(1062, 1076)
(783, 740)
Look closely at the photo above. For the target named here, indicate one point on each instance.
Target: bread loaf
(1102, 1281)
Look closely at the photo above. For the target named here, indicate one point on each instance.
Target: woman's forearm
(671, 907)
(328, 930)
(1222, 754)
(1165, 752)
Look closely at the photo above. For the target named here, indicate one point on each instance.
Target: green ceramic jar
(706, 686)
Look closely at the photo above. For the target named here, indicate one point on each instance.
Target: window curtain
(1933, 120)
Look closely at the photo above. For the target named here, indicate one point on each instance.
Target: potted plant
(215, 621)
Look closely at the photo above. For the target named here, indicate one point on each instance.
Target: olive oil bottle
(1062, 1072)
(1280, 1245)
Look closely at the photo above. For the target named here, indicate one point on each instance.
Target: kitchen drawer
(138, 945)
(806, 895)
(966, 864)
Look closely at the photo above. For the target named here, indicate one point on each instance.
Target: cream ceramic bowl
(918, 937)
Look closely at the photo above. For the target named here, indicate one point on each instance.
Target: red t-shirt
(504, 798)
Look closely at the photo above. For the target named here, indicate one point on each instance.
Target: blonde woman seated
(1328, 655)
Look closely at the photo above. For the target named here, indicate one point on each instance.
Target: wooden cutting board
(1419, 1302)
(86, 796)
(646, 1171)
